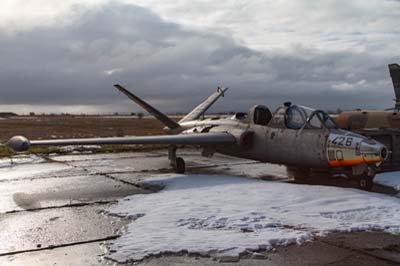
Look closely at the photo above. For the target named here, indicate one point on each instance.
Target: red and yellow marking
(354, 161)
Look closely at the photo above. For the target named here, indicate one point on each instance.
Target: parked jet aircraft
(299, 137)
(381, 125)
(367, 119)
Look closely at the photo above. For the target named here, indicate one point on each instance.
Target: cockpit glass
(298, 116)
(314, 122)
(279, 118)
(328, 121)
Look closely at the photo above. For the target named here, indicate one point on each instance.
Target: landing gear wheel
(180, 165)
(366, 182)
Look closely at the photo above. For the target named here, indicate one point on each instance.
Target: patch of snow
(390, 179)
(226, 215)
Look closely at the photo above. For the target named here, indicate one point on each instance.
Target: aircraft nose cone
(373, 151)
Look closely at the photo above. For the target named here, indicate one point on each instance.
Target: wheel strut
(176, 162)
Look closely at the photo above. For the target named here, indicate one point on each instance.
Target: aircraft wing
(20, 143)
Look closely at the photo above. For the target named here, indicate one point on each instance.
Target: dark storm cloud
(77, 63)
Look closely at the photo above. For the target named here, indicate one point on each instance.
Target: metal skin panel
(305, 148)
(296, 147)
(300, 147)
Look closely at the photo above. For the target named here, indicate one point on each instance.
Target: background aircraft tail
(394, 70)
(157, 114)
(204, 106)
(193, 115)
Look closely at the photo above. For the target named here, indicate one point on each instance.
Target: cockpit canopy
(297, 116)
(287, 116)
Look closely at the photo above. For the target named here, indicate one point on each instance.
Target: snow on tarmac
(227, 215)
(390, 179)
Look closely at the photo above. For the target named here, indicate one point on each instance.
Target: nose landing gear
(365, 182)
(176, 162)
(366, 179)
(364, 175)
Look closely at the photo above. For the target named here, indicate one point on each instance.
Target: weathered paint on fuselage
(285, 146)
(273, 145)
(312, 148)
(356, 120)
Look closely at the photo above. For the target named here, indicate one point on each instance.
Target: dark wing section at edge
(19, 143)
(394, 70)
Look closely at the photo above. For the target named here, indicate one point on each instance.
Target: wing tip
(118, 86)
(222, 90)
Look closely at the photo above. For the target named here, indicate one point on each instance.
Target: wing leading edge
(19, 143)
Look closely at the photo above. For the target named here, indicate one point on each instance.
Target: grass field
(55, 127)
(47, 127)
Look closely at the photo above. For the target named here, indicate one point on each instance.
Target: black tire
(300, 175)
(365, 183)
(180, 165)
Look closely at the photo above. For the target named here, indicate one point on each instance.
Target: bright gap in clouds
(262, 25)
(22, 15)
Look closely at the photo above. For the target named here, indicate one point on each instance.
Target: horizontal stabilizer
(157, 114)
(20, 143)
(204, 106)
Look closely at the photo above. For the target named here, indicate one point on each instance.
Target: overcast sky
(64, 56)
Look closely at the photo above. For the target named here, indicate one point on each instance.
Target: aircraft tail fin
(204, 106)
(394, 70)
(156, 113)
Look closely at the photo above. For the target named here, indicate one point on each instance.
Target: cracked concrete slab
(42, 193)
(89, 254)
(55, 227)
(376, 244)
